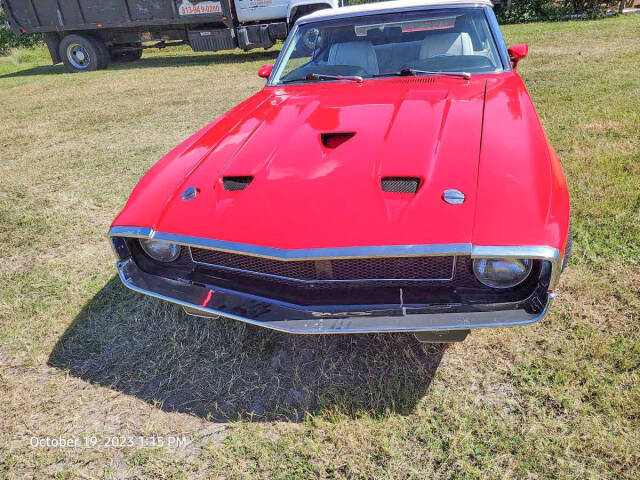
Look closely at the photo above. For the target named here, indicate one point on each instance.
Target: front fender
(522, 196)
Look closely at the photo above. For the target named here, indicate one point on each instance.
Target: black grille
(360, 269)
(423, 281)
(400, 184)
(233, 184)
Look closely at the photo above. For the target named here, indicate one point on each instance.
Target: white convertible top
(396, 4)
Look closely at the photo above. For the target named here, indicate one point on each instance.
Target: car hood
(305, 194)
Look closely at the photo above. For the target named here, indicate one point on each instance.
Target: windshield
(446, 40)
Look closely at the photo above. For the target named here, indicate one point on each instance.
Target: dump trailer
(87, 34)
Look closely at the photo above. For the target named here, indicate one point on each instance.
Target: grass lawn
(81, 356)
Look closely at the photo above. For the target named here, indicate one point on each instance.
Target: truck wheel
(82, 54)
(127, 55)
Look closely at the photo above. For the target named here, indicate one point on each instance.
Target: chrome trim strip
(135, 232)
(455, 249)
(452, 249)
(324, 320)
(319, 280)
(534, 251)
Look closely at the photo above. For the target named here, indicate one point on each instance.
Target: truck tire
(127, 55)
(81, 53)
(103, 53)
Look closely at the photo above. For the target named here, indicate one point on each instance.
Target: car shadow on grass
(225, 370)
(155, 61)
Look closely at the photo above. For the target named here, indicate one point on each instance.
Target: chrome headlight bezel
(502, 273)
(160, 251)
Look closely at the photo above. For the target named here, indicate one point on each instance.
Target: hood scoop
(334, 140)
(234, 184)
(400, 184)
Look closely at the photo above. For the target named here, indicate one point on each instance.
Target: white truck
(87, 34)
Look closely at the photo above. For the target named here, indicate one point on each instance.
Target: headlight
(502, 272)
(160, 251)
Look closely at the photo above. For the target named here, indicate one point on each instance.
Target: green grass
(80, 355)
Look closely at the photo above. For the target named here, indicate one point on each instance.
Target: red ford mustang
(392, 176)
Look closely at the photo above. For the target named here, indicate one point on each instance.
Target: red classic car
(392, 176)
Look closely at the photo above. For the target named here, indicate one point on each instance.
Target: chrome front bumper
(286, 317)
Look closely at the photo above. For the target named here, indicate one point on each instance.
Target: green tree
(9, 40)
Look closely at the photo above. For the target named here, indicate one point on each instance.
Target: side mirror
(265, 71)
(517, 53)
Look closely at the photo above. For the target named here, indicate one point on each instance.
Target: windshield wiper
(321, 76)
(405, 72)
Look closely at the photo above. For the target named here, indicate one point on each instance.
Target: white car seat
(446, 44)
(360, 54)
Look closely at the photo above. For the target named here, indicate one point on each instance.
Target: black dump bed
(30, 16)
